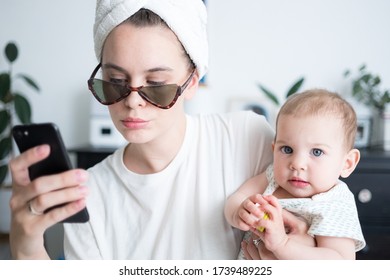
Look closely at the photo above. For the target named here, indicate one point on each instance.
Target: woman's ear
(351, 161)
(192, 86)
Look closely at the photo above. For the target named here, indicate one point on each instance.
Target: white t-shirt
(176, 213)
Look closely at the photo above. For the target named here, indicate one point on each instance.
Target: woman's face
(144, 57)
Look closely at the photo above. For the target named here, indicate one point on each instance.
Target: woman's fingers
(30, 199)
(19, 165)
(59, 214)
(250, 250)
(293, 223)
(48, 200)
(47, 191)
(50, 183)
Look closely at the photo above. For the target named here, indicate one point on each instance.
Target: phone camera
(20, 134)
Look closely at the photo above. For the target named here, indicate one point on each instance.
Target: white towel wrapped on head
(186, 18)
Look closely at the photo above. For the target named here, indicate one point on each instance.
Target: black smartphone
(31, 135)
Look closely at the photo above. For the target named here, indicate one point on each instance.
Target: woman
(162, 195)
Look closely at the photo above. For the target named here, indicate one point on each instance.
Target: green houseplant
(272, 96)
(14, 107)
(367, 89)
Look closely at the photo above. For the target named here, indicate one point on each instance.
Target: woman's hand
(30, 200)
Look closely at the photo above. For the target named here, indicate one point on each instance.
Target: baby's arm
(241, 210)
(284, 247)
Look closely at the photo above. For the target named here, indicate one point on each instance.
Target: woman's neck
(156, 155)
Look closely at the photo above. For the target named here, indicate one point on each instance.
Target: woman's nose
(134, 100)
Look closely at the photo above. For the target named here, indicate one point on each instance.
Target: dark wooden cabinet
(88, 156)
(370, 183)
(5, 251)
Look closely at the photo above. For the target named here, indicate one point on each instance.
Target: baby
(313, 147)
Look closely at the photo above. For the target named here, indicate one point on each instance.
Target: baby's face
(309, 154)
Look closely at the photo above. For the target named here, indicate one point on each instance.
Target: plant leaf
(22, 109)
(4, 120)
(387, 96)
(295, 87)
(3, 172)
(376, 81)
(5, 147)
(269, 94)
(29, 81)
(5, 85)
(11, 52)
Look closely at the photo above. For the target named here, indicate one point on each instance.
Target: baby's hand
(249, 213)
(274, 236)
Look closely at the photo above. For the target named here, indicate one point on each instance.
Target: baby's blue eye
(317, 152)
(286, 150)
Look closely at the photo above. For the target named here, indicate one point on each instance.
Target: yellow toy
(265, 217)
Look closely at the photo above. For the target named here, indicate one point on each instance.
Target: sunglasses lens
(108, 93)
(161, 96)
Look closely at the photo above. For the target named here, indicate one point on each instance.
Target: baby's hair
(321, 102)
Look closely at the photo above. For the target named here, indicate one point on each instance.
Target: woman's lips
(134, 123)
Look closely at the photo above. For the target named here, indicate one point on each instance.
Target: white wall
(56, 48)
(275, 42)
(272, 42)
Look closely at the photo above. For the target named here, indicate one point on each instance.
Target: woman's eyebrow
(114, 66)
(159, 69)
(151, 70)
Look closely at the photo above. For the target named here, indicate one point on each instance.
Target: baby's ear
(351, 161)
